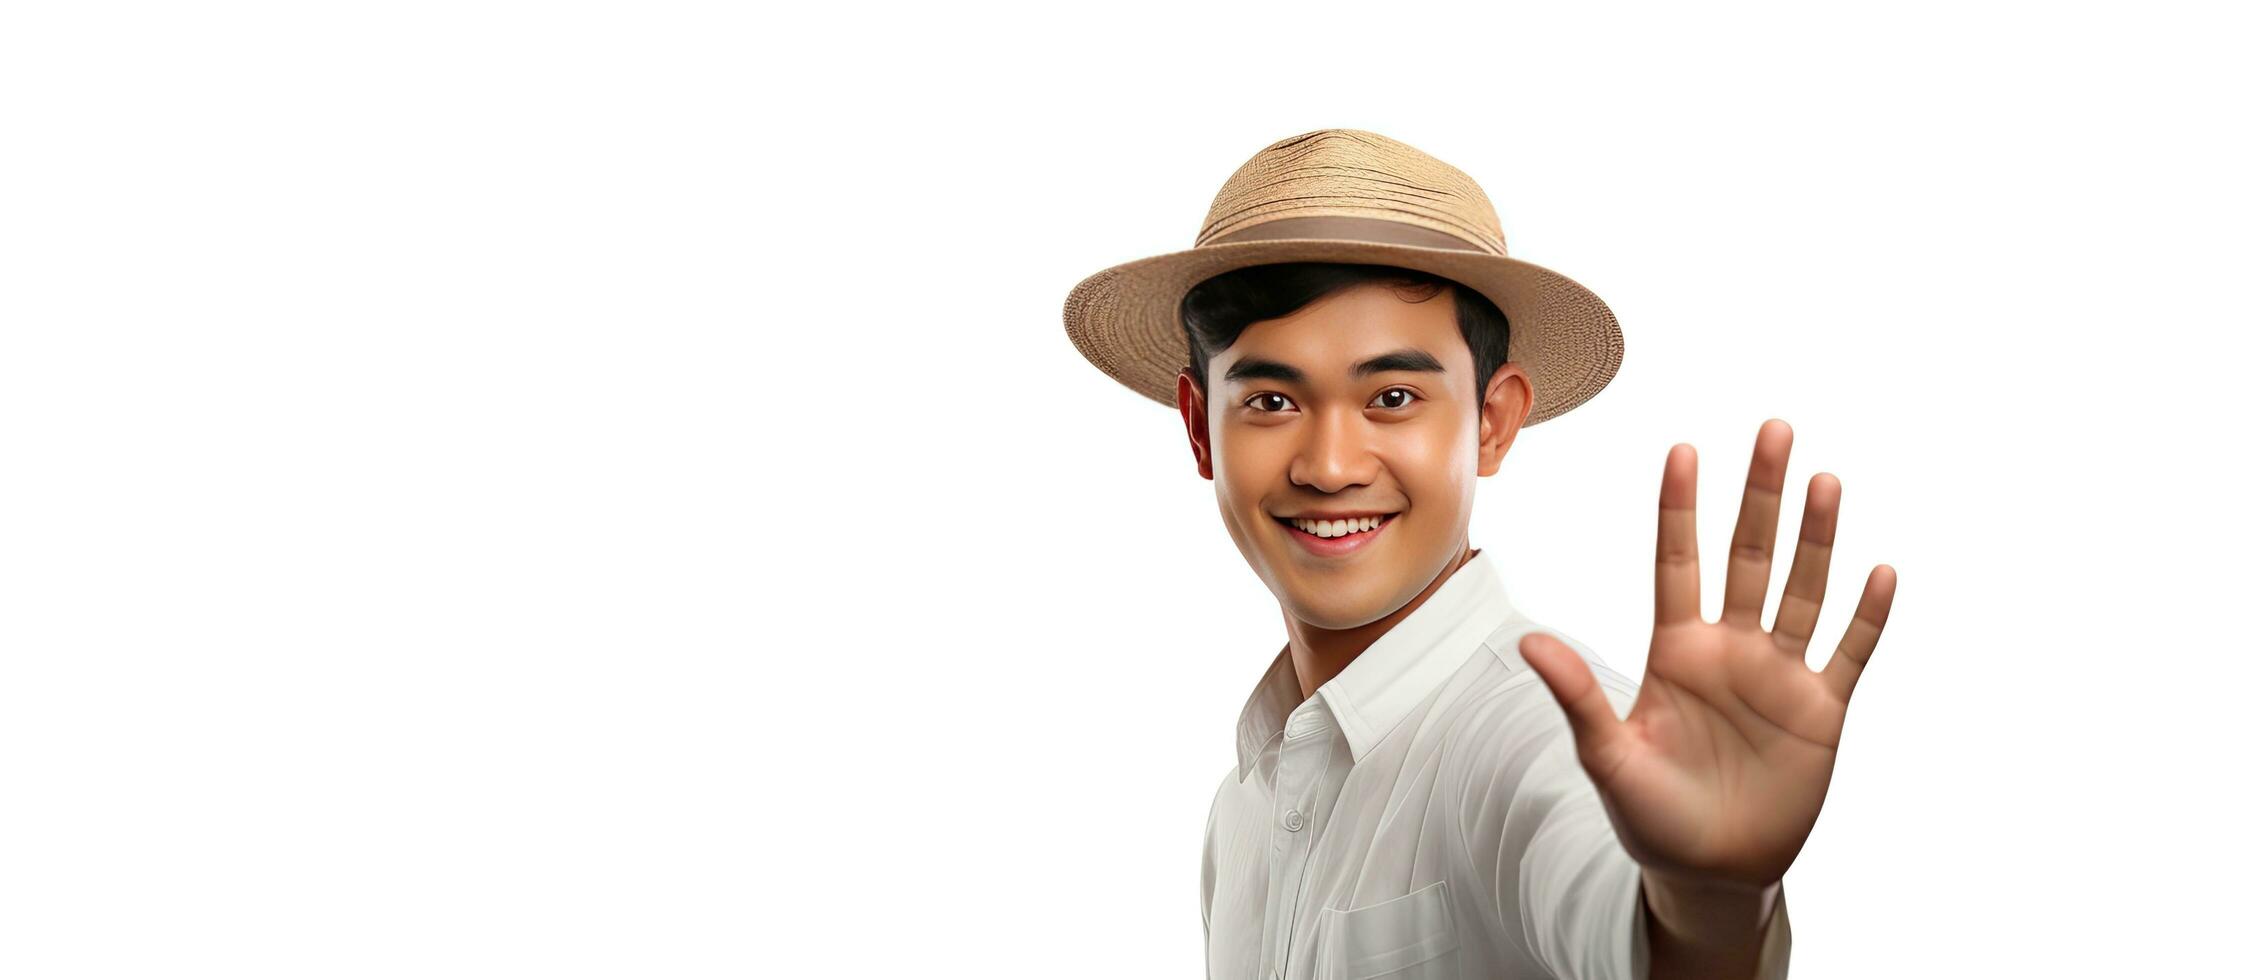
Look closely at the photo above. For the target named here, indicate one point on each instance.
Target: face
(1359, 405)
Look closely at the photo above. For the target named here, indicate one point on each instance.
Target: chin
(1340, 603)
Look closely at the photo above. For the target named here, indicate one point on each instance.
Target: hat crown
(1353, 173)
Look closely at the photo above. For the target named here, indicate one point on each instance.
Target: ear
(1193, 403)
(1502, 414)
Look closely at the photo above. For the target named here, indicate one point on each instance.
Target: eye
(1384, 400)
(1251, 399)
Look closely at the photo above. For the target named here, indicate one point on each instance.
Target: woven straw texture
(1422, 214)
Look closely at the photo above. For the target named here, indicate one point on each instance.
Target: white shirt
(1424, 815)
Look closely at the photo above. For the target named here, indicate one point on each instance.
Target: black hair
(1217, 310)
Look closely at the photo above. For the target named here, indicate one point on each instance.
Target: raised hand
(1722, 765)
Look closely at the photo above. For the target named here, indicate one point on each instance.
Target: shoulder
(1223, 798)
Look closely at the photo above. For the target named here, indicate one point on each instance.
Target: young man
(1429, 783)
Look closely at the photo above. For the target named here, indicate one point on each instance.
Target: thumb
(1598, 735)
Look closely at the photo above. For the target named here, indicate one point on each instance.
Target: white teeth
(1335, 529)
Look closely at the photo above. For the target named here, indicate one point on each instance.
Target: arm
(1717, 773)
(1543, 852)
(1207, 884)
(1710, 930)
(1546, 854)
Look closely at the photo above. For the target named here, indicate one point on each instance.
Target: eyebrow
(1405, 359)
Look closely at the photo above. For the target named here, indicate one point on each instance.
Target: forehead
(1326, 337)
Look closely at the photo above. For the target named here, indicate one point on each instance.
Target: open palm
(1722, 765)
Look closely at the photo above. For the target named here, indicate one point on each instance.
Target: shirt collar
(1392, 675)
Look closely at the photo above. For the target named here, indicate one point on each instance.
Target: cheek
(1439, 464)
(1249, 472)
(1243, 463)
(1232, 483)
(1240, 495)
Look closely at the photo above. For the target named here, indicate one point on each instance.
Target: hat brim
(1126, 319)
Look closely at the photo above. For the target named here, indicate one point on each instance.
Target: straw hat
(1346, 195)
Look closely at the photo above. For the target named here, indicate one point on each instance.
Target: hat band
(1347, 228)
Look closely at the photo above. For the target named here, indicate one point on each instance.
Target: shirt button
(1292, 819)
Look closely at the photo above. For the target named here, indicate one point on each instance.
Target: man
(1429, 783)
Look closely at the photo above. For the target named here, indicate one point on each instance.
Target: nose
(1335, 454)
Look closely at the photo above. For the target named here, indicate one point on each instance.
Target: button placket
(1302, 760)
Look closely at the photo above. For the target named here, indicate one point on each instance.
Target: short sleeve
(1560, 885)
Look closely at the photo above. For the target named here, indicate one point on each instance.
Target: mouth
(1336, 543)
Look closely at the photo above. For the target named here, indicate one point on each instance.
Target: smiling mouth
(1336, 530)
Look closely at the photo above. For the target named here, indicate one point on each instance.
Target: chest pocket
(1408, 938)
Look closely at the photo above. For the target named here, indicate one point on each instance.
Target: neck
(1320, 654)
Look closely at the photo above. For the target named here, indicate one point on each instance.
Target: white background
(602, 490)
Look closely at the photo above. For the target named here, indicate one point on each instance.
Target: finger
(1844, 669)
(1598, 735)
(1674, 584)
(1752, 546)
(1810, 568)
